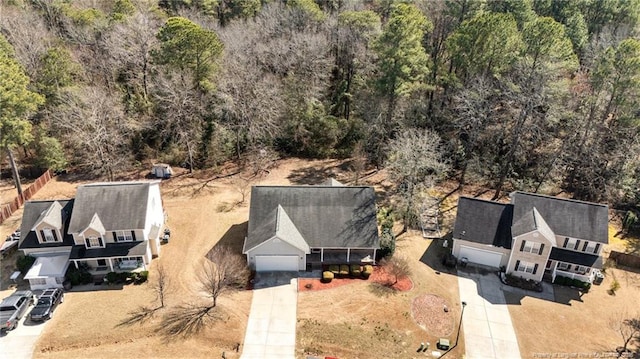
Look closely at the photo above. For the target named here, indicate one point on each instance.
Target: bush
(566, 281)
(344, 270)
(112, 277)
(143, 276)
(355, 270)
(334, 268)
(78, 276)
(24, 263)
(367, 271)
(327, 276)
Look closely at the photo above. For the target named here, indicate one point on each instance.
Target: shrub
(355, 270)
(24, 263)
(334, 268)
(344, 270)
(327, 276)
(112, 277)
(367, 271)
(615, 285)
(143, 276)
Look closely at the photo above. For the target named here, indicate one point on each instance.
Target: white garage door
(276, 263)
(480, 256)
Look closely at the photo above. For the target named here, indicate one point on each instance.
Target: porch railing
(583, 277)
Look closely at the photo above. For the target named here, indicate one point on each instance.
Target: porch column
(110, 264)
(76, 264)
(374, 256)
(348, 254)
(321, 255)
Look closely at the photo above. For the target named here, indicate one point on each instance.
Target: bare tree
(161, 284)
(627, 326)
(94, 125)
(396, 266)
(222, 271)
(241, 185)
(415, 164)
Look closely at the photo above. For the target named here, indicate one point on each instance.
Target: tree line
(536, 95)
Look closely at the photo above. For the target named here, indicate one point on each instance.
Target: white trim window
(531, 247)
(564, 266)
(47, 235)
(522, 266)
(123, 236)
(94, 242)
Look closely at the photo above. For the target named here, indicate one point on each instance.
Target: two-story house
(533, 236)
(108, 227)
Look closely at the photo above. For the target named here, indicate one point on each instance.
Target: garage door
(276, 263)
(480, 256)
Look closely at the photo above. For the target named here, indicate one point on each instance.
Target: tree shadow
(139, 316)
(632, 246)
(313, 175)
(385, 289)
(234, 237)
(187, 320)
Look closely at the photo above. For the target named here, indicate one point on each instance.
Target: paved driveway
(20, 342)
(271, 330)
(488, 332)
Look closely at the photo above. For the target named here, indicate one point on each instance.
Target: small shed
(161, 170)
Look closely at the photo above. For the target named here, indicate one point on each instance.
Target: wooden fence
(7, 209)
(627, 260)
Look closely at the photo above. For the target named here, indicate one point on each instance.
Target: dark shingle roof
(126, 249)
(484, 222)
(120, 206)
(329, 217)
(565, 217)
(33, 211)
(573, 257)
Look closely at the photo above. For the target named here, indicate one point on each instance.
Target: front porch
(568, 270)
(320, 256)
(102, 266)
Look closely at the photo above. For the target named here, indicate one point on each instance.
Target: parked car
(13, 308)
(10, 243)
(47, 303)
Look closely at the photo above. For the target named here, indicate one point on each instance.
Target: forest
(534, 95)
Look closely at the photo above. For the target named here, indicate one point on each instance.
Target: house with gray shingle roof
(534, 236)
(295, 227)
(108, 227)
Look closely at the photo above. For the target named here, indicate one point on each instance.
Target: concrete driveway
(271, 330)
(20, 342)
(488, 331)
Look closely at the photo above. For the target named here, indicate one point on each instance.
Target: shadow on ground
(313, 175)
(234, 237)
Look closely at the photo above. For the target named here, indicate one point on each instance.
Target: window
(48, 235)
(564, 266)
(124, 236)
(522, 266)
(37, 281)
(102, 262)
(582, 269)
(531, 247)
(591, 247)
(93, 242)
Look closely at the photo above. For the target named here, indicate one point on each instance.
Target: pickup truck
(13, 308)
(10, 243)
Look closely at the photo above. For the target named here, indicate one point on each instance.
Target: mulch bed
(378, 276)
(428, 311)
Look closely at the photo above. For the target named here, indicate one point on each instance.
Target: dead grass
(347, 322)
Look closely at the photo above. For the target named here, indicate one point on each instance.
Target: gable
(565, 217)
(329, 217)
(33, 213)
(52, 217)
(533, 221)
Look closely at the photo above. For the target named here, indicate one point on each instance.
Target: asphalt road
(20, 342)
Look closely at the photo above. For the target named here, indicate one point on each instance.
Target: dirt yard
(351, 321)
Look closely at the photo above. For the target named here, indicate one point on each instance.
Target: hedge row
(566, 281)
(127, 277)
(346, 271)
